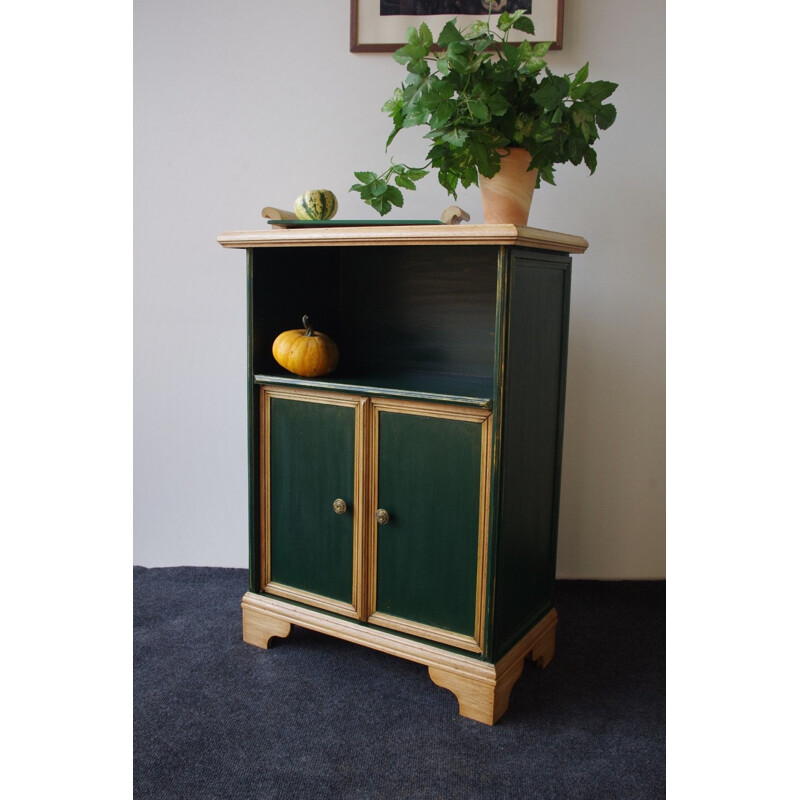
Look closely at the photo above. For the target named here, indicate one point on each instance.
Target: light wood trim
(425, 631)
(408, 235)
(370, 488)
(483, 530)
(258, 629)
(536, 643)
(311, 599)
(477, 699)
(359, 404)
(264, 504)
(543, 650)
(374, 638)
(422, 409)
(487, 702)
(454, 215)
(312, 395)
(371, 524)
(360, 507)
(481, 688)
(461, 414)
(270, 212)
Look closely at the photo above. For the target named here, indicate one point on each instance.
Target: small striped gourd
(305, 351)
(316, 204)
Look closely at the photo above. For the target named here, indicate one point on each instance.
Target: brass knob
(382, 515)
(339, 506)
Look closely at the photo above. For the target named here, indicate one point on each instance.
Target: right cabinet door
(429, 521)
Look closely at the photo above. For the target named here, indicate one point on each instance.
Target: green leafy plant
(480, 94)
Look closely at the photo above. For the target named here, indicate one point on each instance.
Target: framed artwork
(380, 25)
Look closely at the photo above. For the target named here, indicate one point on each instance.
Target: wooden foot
(544, 648)
(485, 697)
(479, 699)
(258, 627)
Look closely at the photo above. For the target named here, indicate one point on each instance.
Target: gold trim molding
(359, 405)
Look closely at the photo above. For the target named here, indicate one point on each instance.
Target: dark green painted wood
(253, 438)
(428, 481)
(288, 283)
(501, 315)
(311, 465)
(428, 309)
(485, 326)
(530, 442)
(421, 316)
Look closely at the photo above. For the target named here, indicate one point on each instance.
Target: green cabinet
(409, 500)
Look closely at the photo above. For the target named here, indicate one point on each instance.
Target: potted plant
(493, 108)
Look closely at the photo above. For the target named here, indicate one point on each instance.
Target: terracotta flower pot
(507, 196)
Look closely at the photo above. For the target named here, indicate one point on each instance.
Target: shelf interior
(408, 321)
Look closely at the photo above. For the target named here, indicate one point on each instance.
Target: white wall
(245, 103)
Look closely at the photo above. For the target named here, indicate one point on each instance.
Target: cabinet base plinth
(482, 689)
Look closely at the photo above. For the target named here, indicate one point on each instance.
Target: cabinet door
(312, 484)
(430, 476)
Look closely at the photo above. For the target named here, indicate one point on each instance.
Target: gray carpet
(315, 717)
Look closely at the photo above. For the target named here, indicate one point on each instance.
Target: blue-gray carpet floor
(315, 718)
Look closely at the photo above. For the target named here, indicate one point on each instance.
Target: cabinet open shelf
(413, 385)
(419, 327)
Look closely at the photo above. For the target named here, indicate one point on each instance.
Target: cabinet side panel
(253, 438)
(531, 434)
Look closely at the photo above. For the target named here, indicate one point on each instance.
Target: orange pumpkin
(305, 351)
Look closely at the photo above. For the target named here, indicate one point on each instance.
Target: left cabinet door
(312, 465)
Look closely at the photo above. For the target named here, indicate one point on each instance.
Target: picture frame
(372, 31)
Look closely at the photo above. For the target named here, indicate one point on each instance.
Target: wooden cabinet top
(406, 235)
